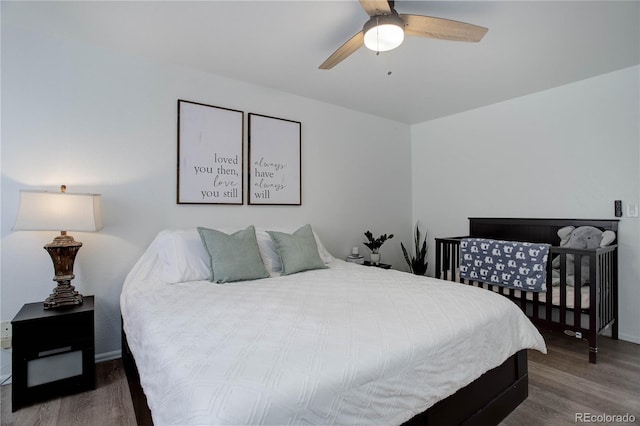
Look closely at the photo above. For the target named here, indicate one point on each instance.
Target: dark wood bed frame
(486, 401)
(603, 274)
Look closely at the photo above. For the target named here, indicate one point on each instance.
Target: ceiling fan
(385, 30)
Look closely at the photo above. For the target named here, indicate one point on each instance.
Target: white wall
(105, 122)
(568, 152)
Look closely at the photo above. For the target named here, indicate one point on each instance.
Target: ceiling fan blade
(350, 46)
(376, 7)
(445, 29)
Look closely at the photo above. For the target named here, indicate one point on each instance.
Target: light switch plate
(5, 334)
(632, 210)
(5, 329)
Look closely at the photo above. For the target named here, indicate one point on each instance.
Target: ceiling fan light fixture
(383, 32)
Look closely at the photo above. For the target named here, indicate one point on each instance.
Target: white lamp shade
(58, 211)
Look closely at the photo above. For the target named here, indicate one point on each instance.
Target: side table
(53, 352)
(377, 265)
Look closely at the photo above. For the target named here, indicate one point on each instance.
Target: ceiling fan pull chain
(377, 35)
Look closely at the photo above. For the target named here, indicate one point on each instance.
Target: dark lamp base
(63, 295)
(63, 250)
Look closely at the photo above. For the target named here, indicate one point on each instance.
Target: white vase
(375, 258)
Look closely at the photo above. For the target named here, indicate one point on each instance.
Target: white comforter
(345, 345)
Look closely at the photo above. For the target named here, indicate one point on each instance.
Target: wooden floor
(110, 404)
(561, 384)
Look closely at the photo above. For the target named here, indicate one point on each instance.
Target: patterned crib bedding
(517, 265)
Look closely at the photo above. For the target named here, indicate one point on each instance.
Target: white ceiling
(531, 46)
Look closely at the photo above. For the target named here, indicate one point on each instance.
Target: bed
(341, 344)
(583, 312)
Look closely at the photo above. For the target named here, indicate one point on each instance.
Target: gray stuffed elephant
(582, 238)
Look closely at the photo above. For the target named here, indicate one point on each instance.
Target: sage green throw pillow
(298, 251)
(233, 257)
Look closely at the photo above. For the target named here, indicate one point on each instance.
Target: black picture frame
(210, 158)
(275, 161)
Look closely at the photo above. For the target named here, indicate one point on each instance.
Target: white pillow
(268, 251)
(324, 253)
(182, 256)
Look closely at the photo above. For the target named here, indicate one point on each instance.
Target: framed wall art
(210, 154)
(274, 161)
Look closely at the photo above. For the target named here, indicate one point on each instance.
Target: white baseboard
(108, 356)
(5, 377)
(628, 338)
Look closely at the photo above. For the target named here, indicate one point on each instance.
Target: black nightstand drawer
(53, 333)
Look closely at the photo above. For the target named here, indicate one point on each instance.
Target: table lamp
(60, 211)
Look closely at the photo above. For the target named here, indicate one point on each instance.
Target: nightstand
(377, 265)
(53, 352)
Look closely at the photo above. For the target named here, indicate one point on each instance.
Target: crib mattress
(542, 296)
(555, 296)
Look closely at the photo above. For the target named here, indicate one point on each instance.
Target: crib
(583, 312)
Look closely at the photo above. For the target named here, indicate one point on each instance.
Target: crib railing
(603, 291)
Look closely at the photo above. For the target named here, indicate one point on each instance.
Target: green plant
(374, 244)
(418, 263)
